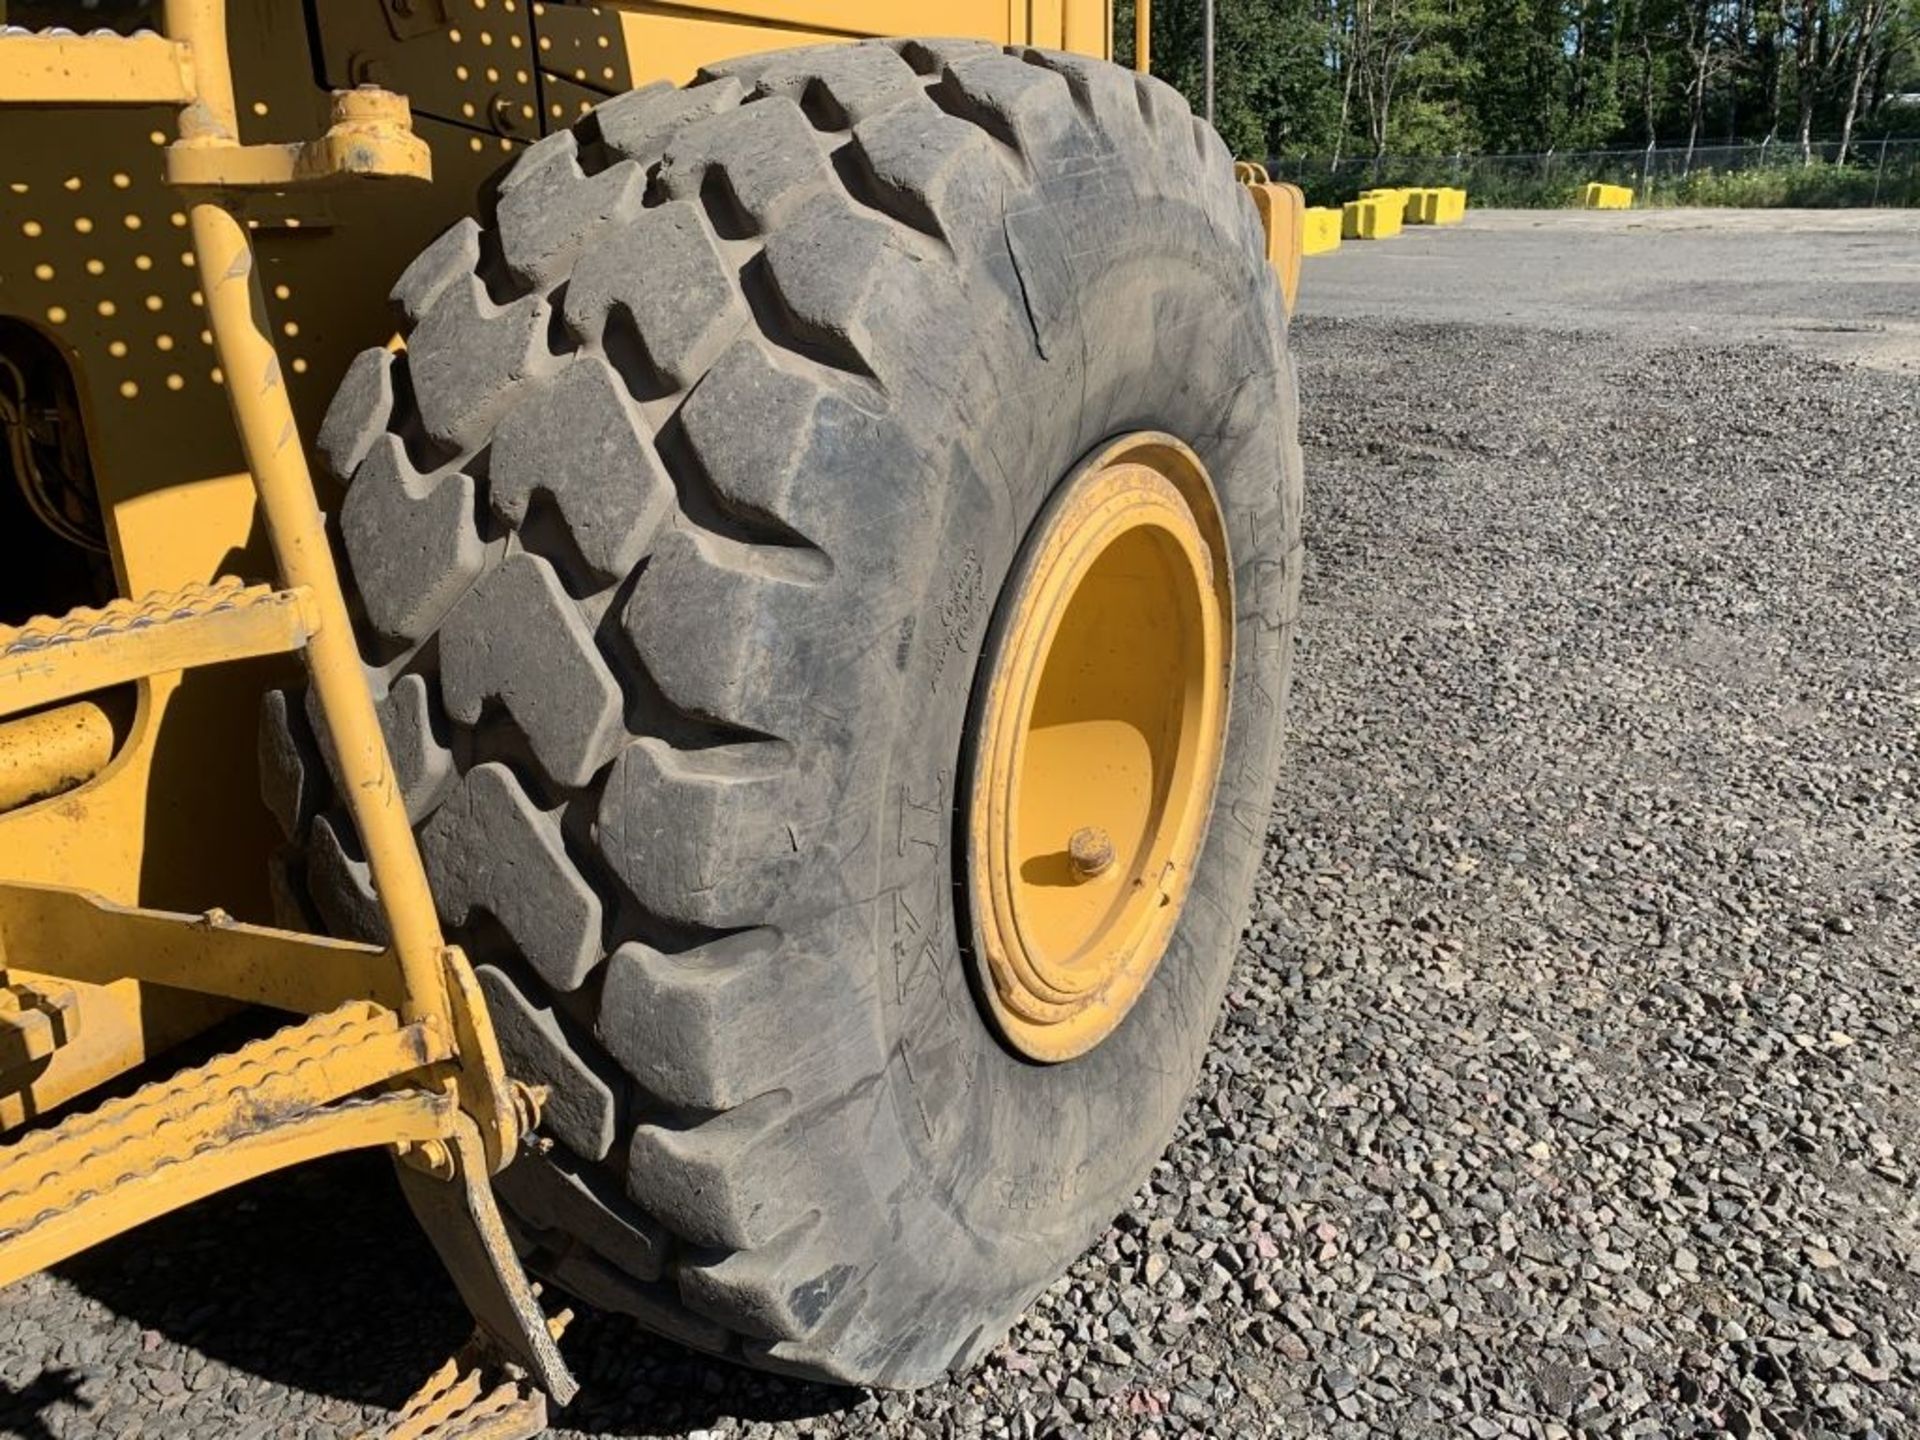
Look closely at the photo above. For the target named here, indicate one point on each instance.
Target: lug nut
(1090, 852)
(430, 1157)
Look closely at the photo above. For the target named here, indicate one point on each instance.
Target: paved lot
(1569, 1083)
(1839, 283)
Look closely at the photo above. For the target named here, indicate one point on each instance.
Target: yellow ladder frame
(471, 1117)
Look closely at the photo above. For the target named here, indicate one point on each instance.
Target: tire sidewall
(1157, 333)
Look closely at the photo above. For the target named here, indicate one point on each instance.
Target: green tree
(1271, 83)
(1411, 77)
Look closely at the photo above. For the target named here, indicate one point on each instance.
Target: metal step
(292, 1096)
(58, 657)
(470, 1397)
(58, 67)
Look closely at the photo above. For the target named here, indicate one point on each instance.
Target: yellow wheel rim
(1098, 745)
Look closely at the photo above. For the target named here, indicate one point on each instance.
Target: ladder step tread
(63, 32)
(119, 616)
(56, 1226)
(469, 1398)
(269, 1082)
(102, 67)
(55, 657)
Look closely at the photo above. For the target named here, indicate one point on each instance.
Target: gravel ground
(1570, 1081)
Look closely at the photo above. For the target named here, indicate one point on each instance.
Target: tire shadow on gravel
(320, 1282)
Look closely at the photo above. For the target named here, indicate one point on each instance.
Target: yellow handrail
(270, 440)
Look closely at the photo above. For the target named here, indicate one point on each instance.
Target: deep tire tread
(644, 715)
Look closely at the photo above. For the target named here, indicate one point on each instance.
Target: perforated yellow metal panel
(611, 48)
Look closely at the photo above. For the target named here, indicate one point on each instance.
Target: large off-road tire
(676, 531)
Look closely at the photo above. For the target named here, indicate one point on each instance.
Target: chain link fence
(1878, 171)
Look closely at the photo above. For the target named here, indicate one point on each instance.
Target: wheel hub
(1101, 726)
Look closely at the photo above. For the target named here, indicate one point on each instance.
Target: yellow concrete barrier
(1320, 229)
(1607, 197)
(1436, 205)
(1397, 197)
(1373, 217)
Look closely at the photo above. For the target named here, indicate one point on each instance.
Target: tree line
(1425, 77)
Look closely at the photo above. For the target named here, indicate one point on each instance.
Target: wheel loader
(678, 614)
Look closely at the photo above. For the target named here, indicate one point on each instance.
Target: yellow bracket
(89, 939)
(371, 137)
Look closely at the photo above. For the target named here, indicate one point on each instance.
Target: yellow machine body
(200, 218)
(1283, 216)
(96, 256)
